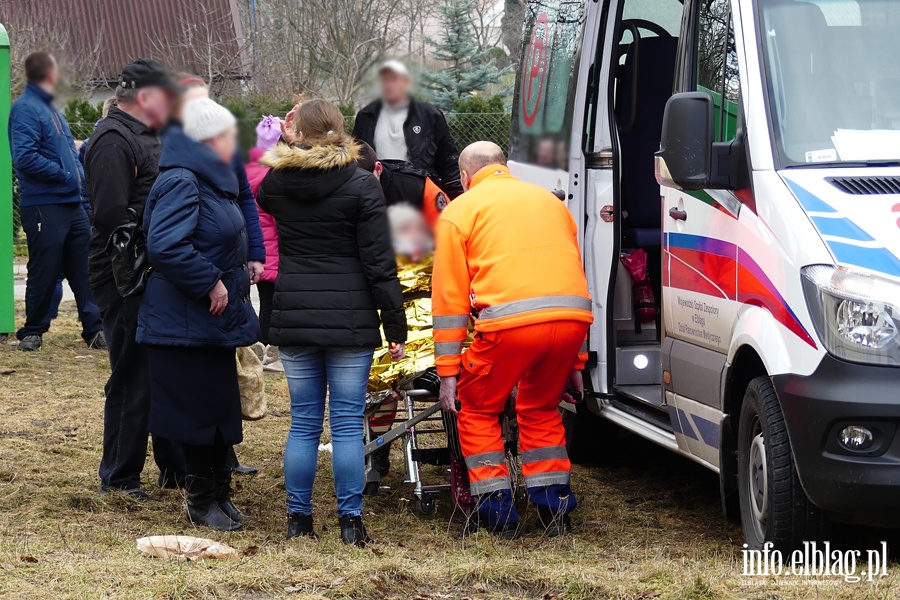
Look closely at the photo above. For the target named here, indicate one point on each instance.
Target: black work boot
(353, 531)
(223, 494)
(300, 526)
(555, 524)
(203, 509)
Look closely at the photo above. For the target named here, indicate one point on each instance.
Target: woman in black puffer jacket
(336, 271)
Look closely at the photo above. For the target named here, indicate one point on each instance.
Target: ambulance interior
(642, 83)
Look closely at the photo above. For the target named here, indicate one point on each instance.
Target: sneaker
(98, 342)
(29, 343)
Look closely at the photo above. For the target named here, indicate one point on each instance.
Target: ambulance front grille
(866, 185)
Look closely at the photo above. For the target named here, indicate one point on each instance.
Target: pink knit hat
(268, 132)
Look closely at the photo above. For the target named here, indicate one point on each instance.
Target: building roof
(198, 36)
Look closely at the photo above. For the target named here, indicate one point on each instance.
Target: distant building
(94, 39)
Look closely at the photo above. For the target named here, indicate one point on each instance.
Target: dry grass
(649, 525)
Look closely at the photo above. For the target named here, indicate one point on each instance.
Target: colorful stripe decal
(719, 268)
(843, 237)
(809, 202)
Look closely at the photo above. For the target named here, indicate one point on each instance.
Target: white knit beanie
(205, 119)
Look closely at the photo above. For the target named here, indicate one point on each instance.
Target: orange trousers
(539, 359)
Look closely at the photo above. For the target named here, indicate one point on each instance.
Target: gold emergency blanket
(415, 279)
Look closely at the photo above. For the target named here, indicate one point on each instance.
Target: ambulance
(734, 168)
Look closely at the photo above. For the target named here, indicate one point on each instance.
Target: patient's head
(409, 231)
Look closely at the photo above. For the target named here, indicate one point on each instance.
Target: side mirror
(688, 158)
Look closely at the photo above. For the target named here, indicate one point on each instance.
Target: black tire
(774, 507)
(589, 439)
(425, 506)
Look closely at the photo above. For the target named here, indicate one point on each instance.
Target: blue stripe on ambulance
(843, 237)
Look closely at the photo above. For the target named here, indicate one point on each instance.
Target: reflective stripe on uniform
(486, 486)
(532, 304)
(451, 322)
(545, 479)
(447, 348)
(486, 459)
(547, 453)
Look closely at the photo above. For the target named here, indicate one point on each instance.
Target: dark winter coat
(428, 140)
(43, 151)
(337, 266)
(121, 162)
(196, 236)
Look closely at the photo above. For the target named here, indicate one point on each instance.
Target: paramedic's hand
(448, 394)
(256, 269)
(397, 350)
(575, 382)
(218, 299)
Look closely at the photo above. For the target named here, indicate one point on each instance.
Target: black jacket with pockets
(428, 140)
(337, 266)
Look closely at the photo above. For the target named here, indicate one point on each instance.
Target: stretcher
(420, 419)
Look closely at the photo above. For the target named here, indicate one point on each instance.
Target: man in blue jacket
(56, 226)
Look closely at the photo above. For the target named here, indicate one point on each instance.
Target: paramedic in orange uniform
(507, 253)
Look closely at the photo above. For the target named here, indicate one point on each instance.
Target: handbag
(127, 251)
(251, 383)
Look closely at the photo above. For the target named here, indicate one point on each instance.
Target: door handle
(677, 214)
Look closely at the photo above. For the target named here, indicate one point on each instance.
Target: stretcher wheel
(426, 505)
(371, 488)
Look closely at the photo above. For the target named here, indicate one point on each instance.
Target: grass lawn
(649, 524)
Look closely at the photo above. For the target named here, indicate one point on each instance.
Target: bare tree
(487, 16)
(209, 44)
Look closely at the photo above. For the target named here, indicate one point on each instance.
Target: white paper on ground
(325, 447)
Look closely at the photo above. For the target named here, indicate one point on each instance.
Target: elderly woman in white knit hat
(196, 309)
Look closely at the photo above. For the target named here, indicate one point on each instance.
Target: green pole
(7, 302)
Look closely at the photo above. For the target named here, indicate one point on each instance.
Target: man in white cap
(404, 130)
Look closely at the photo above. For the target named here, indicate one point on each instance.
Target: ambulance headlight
(855, 313)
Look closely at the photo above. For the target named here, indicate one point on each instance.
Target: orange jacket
(506, 251)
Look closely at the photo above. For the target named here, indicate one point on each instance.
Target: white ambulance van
(750, 150)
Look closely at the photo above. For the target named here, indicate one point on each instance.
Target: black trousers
(201, 460)
(127, 410)
(266, 291)
(58, 237)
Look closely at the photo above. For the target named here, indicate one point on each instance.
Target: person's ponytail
(321, 124)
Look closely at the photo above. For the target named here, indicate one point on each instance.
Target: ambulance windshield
(833, 78)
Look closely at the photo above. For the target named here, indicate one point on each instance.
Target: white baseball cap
(395, 66)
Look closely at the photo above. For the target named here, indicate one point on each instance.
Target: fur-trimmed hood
(320, 158)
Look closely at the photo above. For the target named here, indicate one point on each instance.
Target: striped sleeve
(449, 297)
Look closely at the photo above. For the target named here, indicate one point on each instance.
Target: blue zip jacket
(43, 151)
(246, 200)
(196, 236)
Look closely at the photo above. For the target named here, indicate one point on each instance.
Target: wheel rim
(758, 481)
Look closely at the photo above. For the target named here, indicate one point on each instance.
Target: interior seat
(644, 87)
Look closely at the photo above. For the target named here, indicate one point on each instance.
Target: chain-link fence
(464, 127)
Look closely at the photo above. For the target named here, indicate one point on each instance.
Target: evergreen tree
(466, 68)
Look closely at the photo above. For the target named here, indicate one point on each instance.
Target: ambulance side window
(717, 65)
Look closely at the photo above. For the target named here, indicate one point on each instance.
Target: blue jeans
(345, 371)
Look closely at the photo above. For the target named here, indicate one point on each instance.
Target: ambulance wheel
(426, 505)
(774, 507)
(589, 439)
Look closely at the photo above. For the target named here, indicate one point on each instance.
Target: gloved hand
(573, 393)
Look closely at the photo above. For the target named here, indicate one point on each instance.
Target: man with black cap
(121, 164)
